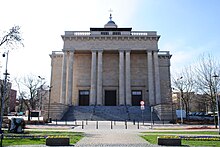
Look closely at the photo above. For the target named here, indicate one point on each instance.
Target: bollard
(86, 121)
(143, 122)
(153, 122)
(114, 122)
(75, 122)
(111, 125)
(126, 126)
(97, 124)
(163, 121)
(1, 138)
(82, 124)
(56, 121)
(65, 122)
(138, 125)
(134, 122)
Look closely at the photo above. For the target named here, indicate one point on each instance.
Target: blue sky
(188, 28)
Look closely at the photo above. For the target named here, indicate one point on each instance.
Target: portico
(111, 66)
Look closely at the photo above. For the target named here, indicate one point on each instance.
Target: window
(116, 33)
(84, 92)
(104, 33)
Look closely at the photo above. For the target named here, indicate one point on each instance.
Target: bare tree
(28, 91)
(206, 84)
(185, 85)
(12, 37)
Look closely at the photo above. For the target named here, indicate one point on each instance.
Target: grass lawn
(152, 137)
(39, 137)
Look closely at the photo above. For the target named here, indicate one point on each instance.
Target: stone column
(157, 78)
(121, 78)
(63, 79)
(93, 79)
(99, 78)
(150, 78)
(128, 78)
(70, 78)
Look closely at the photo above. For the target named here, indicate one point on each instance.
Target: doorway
(83, 97)
(110, 97)
(136, 97)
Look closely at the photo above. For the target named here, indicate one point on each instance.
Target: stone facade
(110, 66)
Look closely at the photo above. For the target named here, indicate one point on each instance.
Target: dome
(110, 23)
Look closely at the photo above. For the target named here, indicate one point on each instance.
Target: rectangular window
(84, 92)
(136, 93)
(104, 33)
(116, 33)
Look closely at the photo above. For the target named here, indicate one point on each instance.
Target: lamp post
(41, 88)
(4, 90)
(48, 114)
(217, 102)
(181, 96)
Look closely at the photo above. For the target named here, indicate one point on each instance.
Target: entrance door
(84, 98)
(110, 97)
(136, 97)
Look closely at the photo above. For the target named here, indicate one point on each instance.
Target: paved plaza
(107, 133)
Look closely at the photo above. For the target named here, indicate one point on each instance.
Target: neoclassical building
(111, 66)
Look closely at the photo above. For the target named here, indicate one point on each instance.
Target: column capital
(121, 50)
(97, 50)
(68, 49)
(100, 50)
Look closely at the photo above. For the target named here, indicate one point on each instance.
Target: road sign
(142, 103)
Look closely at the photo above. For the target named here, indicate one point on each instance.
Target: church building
(111, 66)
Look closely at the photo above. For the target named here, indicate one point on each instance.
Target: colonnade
(96, 89)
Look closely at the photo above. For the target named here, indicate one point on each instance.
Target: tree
(28, 91)
(185, 85)
(205, 82)
(12, 37)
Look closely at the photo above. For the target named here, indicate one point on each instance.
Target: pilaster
(93, 79)
(99, 78)
(121, 78)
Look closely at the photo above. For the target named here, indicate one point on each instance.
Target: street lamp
(181, 107)
(41, 88)
(4, 90)
(217, 102)
(48, 114)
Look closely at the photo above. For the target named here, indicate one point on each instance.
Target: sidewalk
(106, 134)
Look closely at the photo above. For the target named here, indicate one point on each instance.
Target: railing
(95, 33)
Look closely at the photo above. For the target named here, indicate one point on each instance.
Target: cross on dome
(111, 23)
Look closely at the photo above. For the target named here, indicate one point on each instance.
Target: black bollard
(111, 125)
(114, 122)
(65, 122)
(86, 121)
(138, 125)
(97, 124)
(56, 121)
(134, 122)
(82, 124)
(1, 138)
(126, 125)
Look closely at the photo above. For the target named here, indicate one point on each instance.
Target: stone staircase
(78, 113)
(101, 113)
(56, 112)
(118, 113)
(135, 113)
